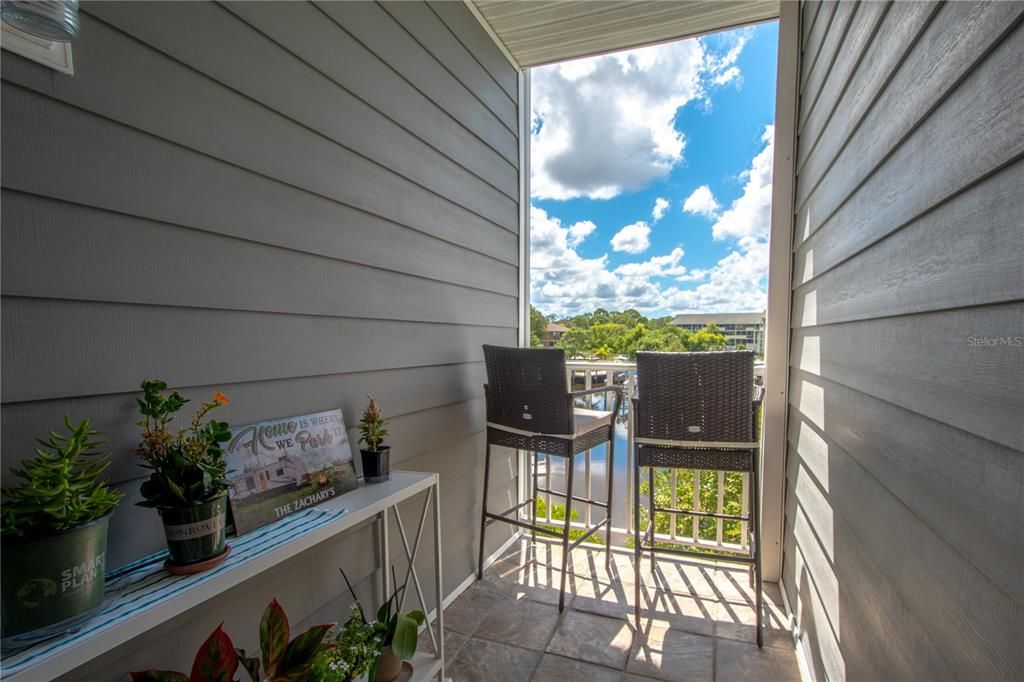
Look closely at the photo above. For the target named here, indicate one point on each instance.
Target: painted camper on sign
(281, 466)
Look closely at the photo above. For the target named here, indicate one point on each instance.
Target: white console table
(156, 600)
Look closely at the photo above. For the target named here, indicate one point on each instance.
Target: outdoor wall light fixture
(55, 20)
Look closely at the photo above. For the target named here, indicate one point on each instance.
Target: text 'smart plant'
(188, 464)
(60, 487)
(281, 659)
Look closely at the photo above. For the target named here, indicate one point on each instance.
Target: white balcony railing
(703, 491)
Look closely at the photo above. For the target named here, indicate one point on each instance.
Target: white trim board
(794, 631)
(776, 398)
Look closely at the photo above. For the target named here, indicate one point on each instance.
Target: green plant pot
(195, 533)
(53, 583)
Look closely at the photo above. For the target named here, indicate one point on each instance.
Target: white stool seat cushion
(588, 420)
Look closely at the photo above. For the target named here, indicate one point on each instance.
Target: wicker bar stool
(530, 407)
(697, 411)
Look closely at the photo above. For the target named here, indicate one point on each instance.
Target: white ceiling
(535, 32)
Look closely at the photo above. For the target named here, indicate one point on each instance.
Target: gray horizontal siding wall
(295, 203)
(904, 541)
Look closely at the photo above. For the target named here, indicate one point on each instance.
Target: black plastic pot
(195, 533)
(377, 464)
(53, 583)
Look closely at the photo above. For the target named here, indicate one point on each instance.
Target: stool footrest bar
(583, 500)
(575, 543)
(737, 558)
(690, 512)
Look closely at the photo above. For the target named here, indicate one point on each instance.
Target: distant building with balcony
(552, 334)
(741, 329)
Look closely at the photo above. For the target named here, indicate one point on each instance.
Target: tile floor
(697, 622)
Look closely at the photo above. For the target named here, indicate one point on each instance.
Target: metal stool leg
(609, 472)
(755, 513)
(650, 505)
(570, 464)
(483, 514)
(636, 537)
(533, 508)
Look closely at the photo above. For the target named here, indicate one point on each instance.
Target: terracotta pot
(389, 666)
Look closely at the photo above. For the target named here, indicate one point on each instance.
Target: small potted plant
(188, 485)
(54, 535)
(373, 428)
(377, 649)
(352, 652)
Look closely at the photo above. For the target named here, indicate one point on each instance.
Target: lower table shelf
(142, 596)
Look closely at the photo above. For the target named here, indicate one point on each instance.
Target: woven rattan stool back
(528, 389)
(695, 396)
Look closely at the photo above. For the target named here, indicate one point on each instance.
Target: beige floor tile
(739, 622)
(592, 638)
(695, 578)
(525, 624)
(466, 613)
(534, 581)
(670, 654)
(733, 584)
(453, 642)
(616, 600)
(560, 669)
(739, 661)
(541, 551)
(480, 659)
(591, 564)
(677, 611)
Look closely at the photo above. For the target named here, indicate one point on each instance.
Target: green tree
(708, 338)
(603, 334)
(538, 325)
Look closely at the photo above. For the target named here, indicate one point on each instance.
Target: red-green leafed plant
(281, 659)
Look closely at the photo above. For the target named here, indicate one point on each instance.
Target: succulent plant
(61, 486)
(188, 465)
(373, 428)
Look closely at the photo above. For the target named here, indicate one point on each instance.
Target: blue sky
(621, 144)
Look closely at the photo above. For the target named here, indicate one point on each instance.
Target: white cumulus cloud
(750, 214)
(634, 238)
(738, 282)
(580, 231)
(702, 202)
(660, 207)
(564, 283)
(605, 125)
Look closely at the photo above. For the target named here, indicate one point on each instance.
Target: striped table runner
(144, 584)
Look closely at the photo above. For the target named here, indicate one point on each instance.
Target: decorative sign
(282, 466)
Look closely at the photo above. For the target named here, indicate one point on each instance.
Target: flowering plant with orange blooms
(187, 465)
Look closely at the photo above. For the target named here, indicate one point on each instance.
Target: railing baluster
(744, 508)
(696, 504)
(588, 384)
(626, 400)
(719, 523)
(674, 504)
